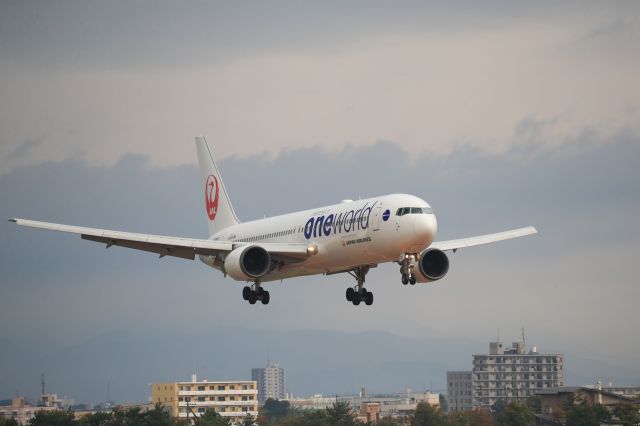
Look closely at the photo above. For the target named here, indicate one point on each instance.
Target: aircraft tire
(405, 279)
(246, 291)
(368, 298)
(253, 298)
(356, 299)
(412, 280)
(265, 297)
(350, 293)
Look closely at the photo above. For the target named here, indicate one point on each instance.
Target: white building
(270, 382)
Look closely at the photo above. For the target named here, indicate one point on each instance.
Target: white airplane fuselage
(350, 237)
(344, 235)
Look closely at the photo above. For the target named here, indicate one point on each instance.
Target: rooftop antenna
(42, 382)
(523, 336)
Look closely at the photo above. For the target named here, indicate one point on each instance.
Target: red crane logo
(211, 192)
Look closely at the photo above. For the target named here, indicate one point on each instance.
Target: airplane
(349, 237)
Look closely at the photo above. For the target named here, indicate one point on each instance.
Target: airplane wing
(186, 248)
(483, 239)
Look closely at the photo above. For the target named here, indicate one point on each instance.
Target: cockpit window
(414, 210)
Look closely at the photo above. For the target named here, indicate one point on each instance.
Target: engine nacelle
(247, 263)
(432, 265)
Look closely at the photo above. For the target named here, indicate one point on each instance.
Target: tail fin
(219, 211)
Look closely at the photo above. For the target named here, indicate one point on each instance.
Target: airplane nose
(425, 227)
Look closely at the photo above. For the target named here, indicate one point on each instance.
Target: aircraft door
(377, 214)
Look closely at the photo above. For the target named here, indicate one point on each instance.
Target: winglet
(13, 220)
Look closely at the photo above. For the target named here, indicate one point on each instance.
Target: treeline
(572, 413)
(280, 413)
(134, 416)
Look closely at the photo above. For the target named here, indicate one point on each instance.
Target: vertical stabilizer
(218, 207)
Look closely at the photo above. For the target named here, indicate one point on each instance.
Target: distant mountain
(315, 361)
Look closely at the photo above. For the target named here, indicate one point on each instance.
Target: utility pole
(42, 383)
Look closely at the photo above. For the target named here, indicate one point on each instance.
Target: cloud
(457, 83)
(583, 199)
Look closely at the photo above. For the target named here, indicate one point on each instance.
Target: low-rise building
(21, 411)
(369, 413)
(231, 399)
(553, 400)
(389, 405)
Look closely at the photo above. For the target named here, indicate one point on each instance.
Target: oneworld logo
(337, 223)
(211, 196)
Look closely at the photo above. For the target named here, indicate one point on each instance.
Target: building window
(200, 388)
(221, 387)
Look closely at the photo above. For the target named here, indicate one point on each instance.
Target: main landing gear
(358, 293)
(254, 293)
(407, 263)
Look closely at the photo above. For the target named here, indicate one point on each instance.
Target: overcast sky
(500, 115)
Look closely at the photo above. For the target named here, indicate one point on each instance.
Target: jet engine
(433, 264)
(247, 263)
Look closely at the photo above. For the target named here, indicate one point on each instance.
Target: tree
(273, 410)
(443, 403)
(99, 418)
(426, 415)
(516, 414)
(628, 414)
(470, 418)
(8, 422)
(388, 421)
(583, 414)
(534, 402)
(211, 418)
(248, 420)
(458, 419)
(156, 417)
(52, 418)
(340, 413)
(498, 406)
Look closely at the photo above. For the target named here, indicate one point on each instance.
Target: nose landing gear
(358, 293)
(254, 293)
(407, 264)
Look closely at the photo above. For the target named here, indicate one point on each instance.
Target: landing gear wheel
(253, 298)
(350, 294)
(412, 280)
(259, 292)
(356, 299)
(265, 297)
(246, 291)
(368, 298)
(405, 279)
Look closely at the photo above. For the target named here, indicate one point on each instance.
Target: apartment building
(231, 399)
